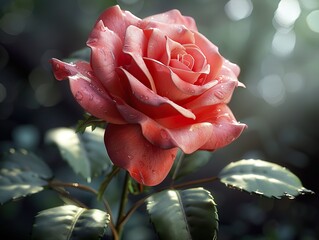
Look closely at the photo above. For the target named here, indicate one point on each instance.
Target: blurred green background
(276, 44)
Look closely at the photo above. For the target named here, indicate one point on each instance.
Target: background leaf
(70, 222)
(263, 178)
(183, 214)
(21, 173)
(190, 163)
(85, 152)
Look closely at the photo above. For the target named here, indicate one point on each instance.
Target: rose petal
(170, 46)
(128, 149)
(220, 93)
(232, 66)
(200, 63)
(117, 20)
(217, 129)
(156, 43)
(170, 85)
(189, 136)
(173, 17)
(150, 102)
(225, 127)
(187, 76)
(87, 90)
(106, 49)
(176, 32)
(214, 59)
(135, 45)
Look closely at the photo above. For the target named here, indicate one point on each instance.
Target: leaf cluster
(178, 211)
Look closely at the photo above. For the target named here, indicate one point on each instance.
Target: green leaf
(85, 153)
(89, 121)
(70, 222)
(263, 178)
(190, 163)
(183, 214)
(21, 173)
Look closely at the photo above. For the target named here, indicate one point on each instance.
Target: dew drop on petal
(78, 96)
(143, 97)
(164, 134)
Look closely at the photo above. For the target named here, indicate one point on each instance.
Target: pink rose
(160, 85)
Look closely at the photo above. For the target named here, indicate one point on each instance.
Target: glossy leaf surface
(263, 178)
(70, 222)
(21, 173)
(85, 152)
(183, 214)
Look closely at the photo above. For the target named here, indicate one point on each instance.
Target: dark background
(276, 44)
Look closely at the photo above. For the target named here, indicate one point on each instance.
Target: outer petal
(117, 20)
(173, 17)
(151, 103)
(177, 32)
(129, 149)
(232, 66)
(189, 137)
(135, 45)
(226, 128)
(106, 49)
(87, 90)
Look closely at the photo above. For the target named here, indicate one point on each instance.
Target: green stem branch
(106, 181)
(124, 199)
(56, 185)
(176, 186)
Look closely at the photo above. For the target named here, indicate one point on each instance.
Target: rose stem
(178, 166)
(106, 181)
(142, 200)
(123, 203)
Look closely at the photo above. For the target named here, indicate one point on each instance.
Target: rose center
(182, 60)
(186, 59)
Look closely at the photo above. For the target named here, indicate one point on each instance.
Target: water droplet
(153, 171)
(91, 97)
(130, 157)
(57, 66)
(219, 94)
(132, 116)
(143, 97)
(79, 96)
(164, 134)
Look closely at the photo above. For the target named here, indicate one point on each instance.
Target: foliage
(188, 214)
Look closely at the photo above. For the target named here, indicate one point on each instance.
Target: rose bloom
(160, 85)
